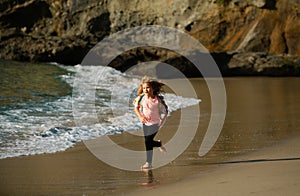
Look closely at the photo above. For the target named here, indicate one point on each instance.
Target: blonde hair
(155, 85)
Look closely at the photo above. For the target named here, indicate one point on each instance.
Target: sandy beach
(257, 153)
(270, 171)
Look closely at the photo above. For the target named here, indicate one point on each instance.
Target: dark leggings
(149, 134)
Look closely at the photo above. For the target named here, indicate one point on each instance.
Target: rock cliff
(246, 37)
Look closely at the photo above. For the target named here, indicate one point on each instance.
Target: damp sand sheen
(256, 153)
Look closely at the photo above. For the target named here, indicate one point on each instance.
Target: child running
(152, 111)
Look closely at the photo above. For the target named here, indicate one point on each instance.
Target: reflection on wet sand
(261, 112)
(150, 181)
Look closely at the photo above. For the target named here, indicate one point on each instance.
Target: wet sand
(257, 152)
(270, 171)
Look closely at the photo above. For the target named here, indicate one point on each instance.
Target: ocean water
(46, 108)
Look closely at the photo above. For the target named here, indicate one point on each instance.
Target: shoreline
(273, 170)
(252, 147)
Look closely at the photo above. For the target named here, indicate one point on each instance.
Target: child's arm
(164, 110)
(162, 121)
(141, 116)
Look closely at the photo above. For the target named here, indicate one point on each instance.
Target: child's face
(147, 89)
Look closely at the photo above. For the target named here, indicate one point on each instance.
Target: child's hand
(144, 119)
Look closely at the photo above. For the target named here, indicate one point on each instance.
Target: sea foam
(50, 126)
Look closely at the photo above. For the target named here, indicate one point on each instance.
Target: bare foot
(162, 148)
(146, 166)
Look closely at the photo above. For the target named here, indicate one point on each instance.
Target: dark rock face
(50, 31)
(261, 64)
(37, 10)
(245, 37)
